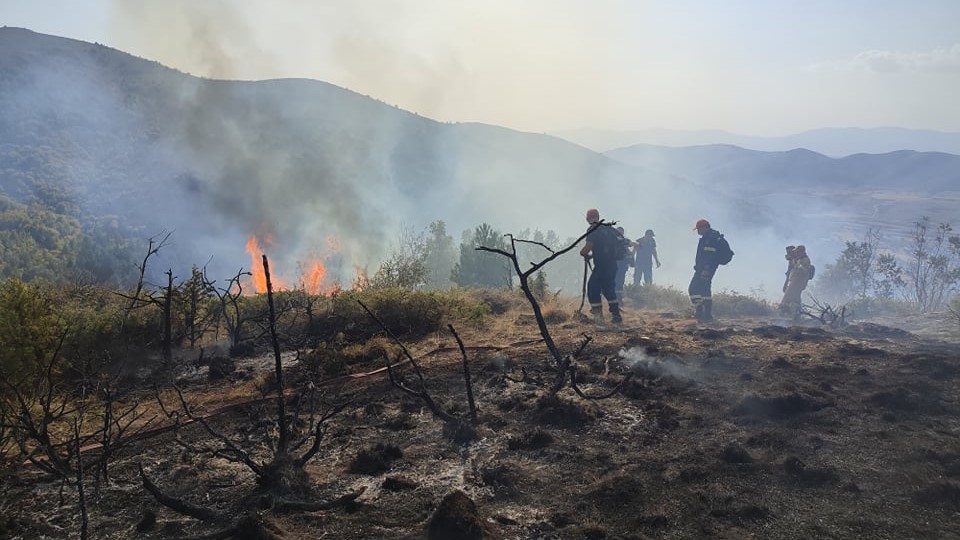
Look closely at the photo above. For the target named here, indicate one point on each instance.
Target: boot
(698, 311)
(615, 316)
(597, 314)
(708, 311)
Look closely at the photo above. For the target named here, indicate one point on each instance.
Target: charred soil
(738, 430)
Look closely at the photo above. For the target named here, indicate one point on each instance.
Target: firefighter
(646, 255)
(624, 262)
(797, 278)
(712, 251)
(603, 247)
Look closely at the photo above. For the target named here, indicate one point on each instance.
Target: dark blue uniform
(602, 283)
(704, 268)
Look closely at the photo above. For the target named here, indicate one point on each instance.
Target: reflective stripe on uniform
(708, 248)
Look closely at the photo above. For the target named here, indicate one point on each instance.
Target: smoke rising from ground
(635, 359)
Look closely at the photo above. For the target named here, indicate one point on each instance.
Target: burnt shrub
(375, 460)
(460, 431)
(554, 411)
(735, 454)
(456, 517)
(809, 476)
(531, 439)
(944, 493)
(776, 407)
(503, 479)
(398, 483)
(220, 368)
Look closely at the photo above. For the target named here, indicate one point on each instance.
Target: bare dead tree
(524, 276)
(121, 420)
(142, 297)
(466, 374)
(229, 297)
(153, 247)
(419, 393)
(563, 365)
(283, 483)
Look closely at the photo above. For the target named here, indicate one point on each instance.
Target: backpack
(813, 271)
(624, 251)
(606, 243)
(724, 253)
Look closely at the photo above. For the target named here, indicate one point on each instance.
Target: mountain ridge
(834, 142)
(754, 170)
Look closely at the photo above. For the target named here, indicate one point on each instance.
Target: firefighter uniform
(797, 278)
(602, 247)
(704, 269)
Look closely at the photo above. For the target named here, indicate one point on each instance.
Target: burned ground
(743, 429)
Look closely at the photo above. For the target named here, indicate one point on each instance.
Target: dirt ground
(741, 429)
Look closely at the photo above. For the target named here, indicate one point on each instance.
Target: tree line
(926, 275)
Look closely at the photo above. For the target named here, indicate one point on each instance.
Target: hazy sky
(759, 67)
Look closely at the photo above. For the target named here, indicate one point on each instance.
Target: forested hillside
(123, 148)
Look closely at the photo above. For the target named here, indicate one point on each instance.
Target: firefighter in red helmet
(712, 251)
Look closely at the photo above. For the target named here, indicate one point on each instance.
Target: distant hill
(834, 142)
(730, 167)
(815, 195)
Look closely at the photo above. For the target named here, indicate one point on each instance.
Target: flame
(313, 272)
(313, 278)
(256, 268)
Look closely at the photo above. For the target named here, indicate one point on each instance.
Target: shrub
(408, 314)
(657, 297)
(731, 303)
(872, 306)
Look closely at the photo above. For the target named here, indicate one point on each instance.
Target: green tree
(406, 268)
(192, 301)
(441, 256)
(935, 265)
(862, 270)
(479, 268)
(30, 330)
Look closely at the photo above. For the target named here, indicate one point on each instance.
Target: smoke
(471, 173)
(635, 359)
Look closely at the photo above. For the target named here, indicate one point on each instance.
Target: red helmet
(702, 223)
(593, 215)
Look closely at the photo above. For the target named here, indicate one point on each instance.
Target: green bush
(31, 329)
(732, 303)
(657, 297)
(872, 306)
(408, 314)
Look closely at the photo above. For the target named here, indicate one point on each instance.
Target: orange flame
(313, 278)
(256, 268)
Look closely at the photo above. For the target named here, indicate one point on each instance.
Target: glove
(658, 264)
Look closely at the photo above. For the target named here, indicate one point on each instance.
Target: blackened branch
(466, 374)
